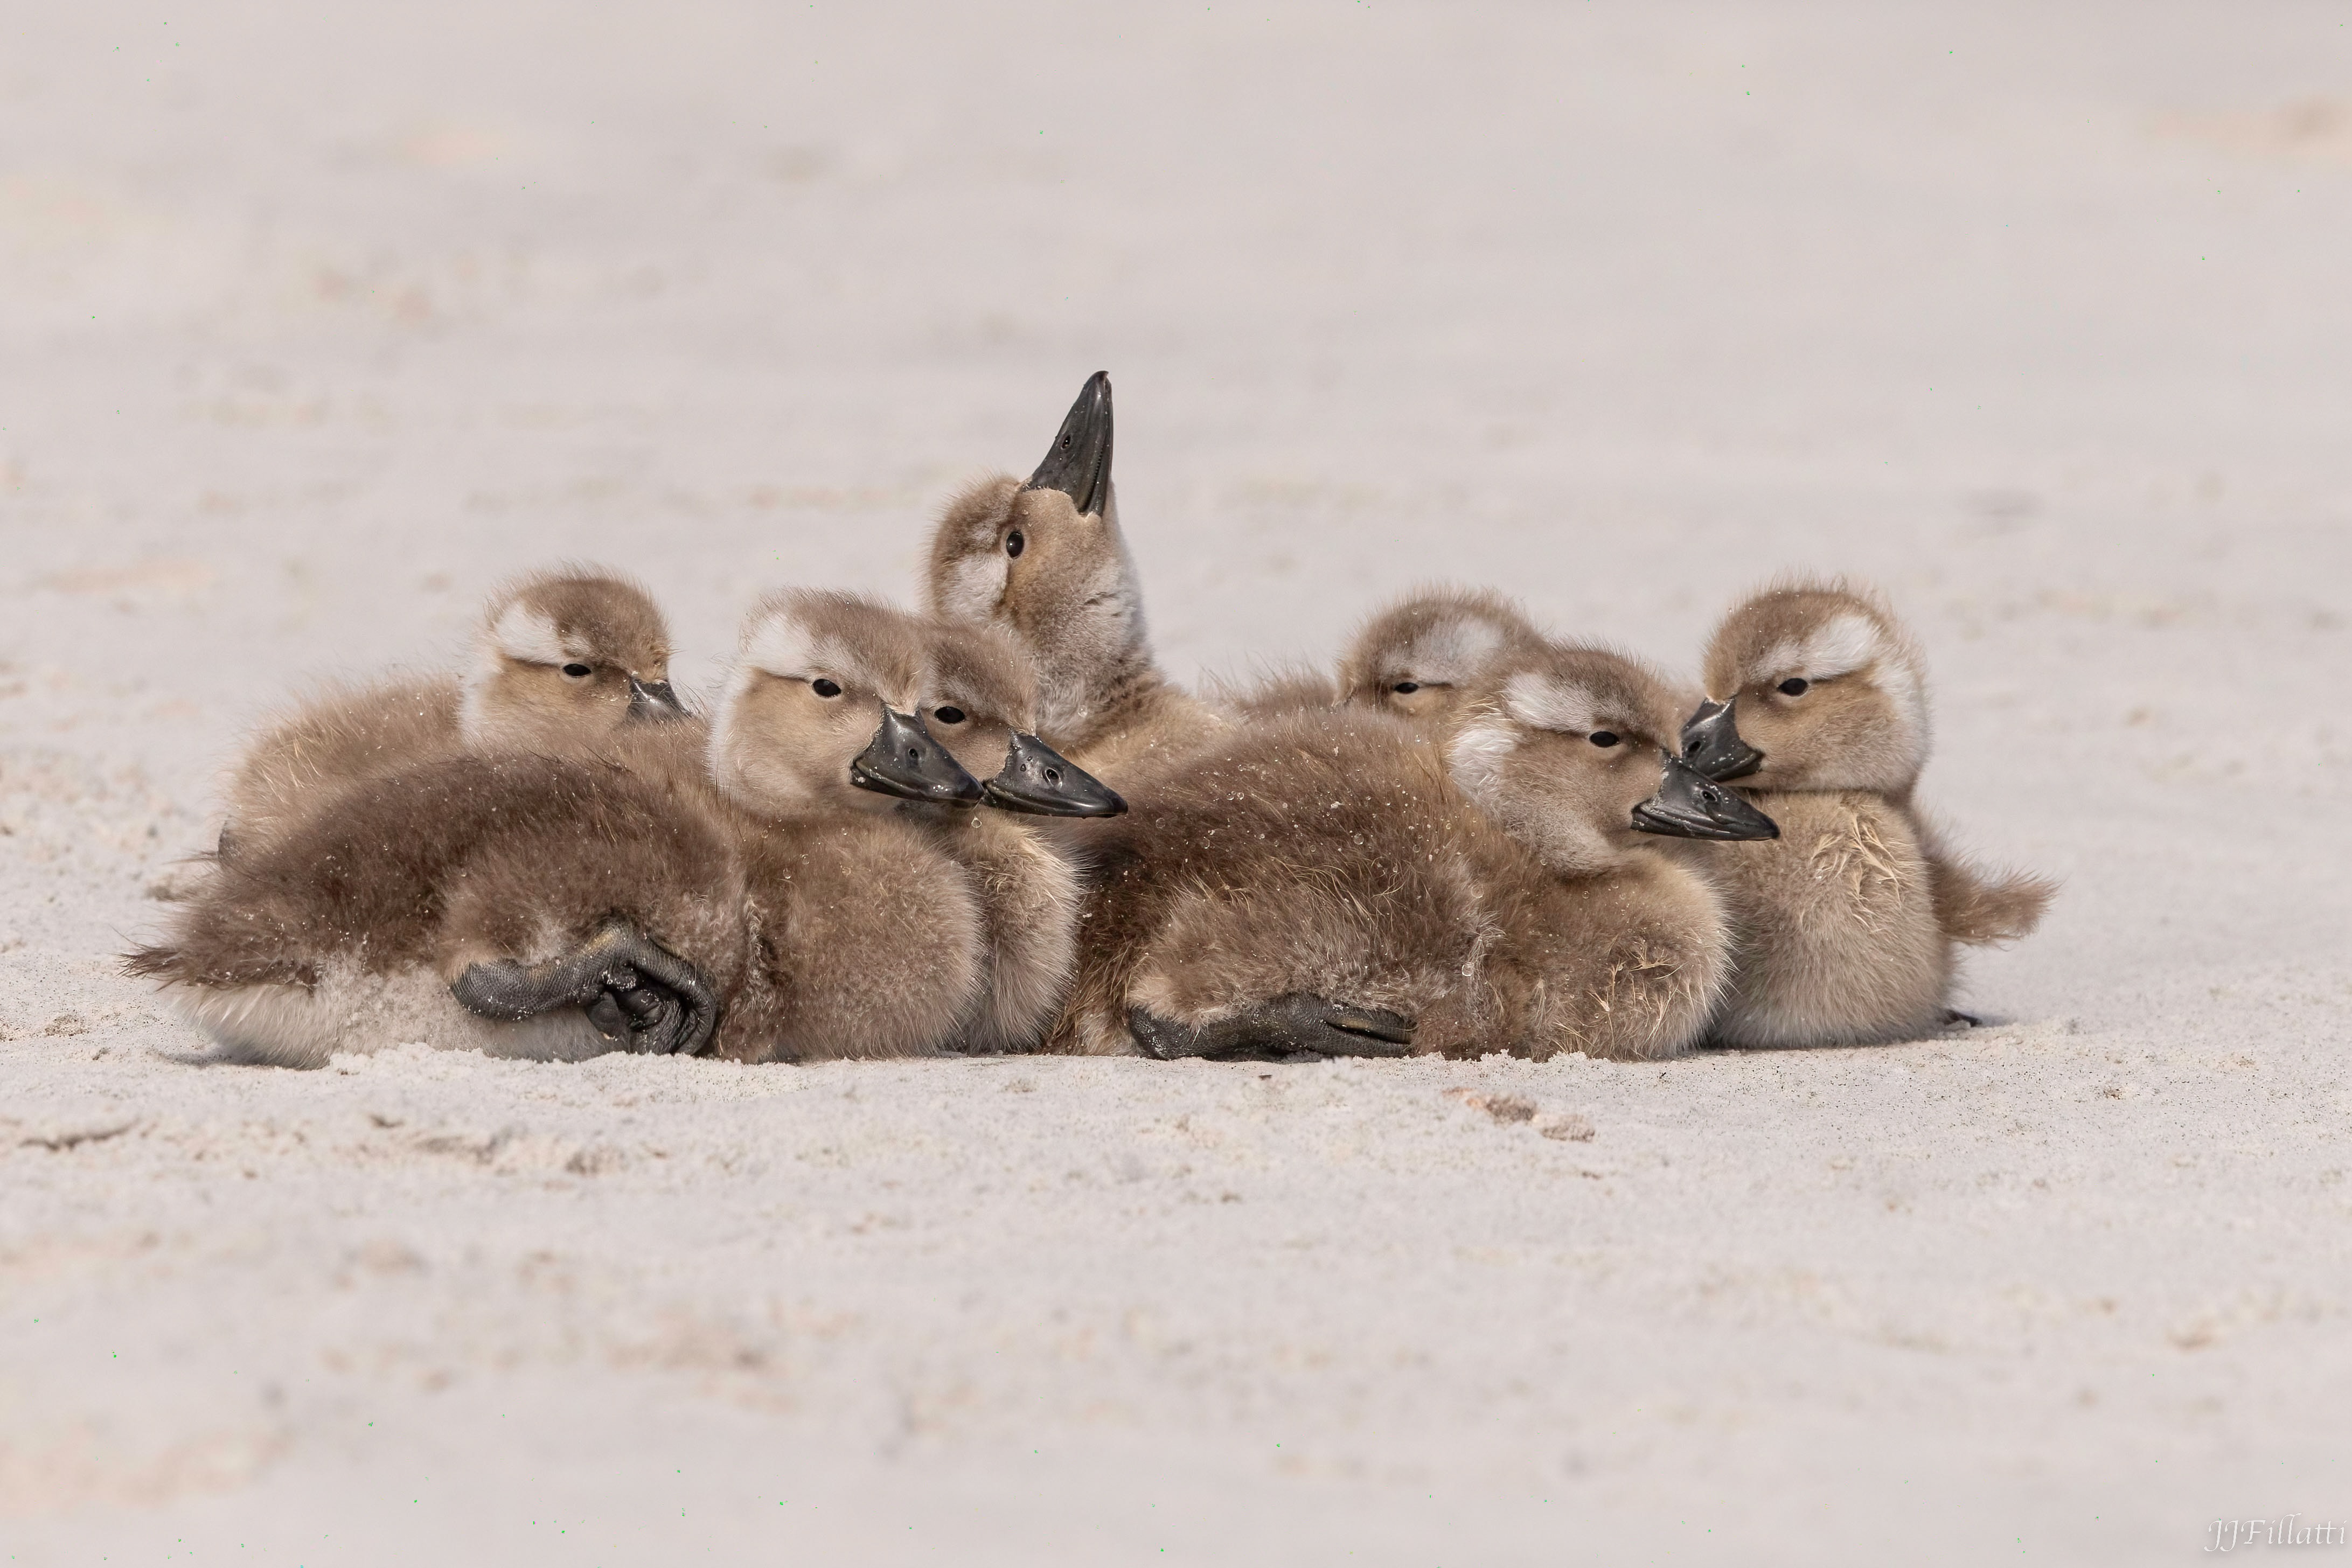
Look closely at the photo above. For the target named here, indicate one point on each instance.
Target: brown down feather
(1072, 601)
(1982, 908)
(1845, 926)
(1331, 852)
(834, 925)
(344, 733)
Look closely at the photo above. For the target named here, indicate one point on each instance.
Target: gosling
(1346, 884)
(813, 902)
(1848, 924)
(1045, 561)
(560, 659)
(1416, 658)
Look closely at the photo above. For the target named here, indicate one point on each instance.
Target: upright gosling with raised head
(1817, 705)
(1045, 561)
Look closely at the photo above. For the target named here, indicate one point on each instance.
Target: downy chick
(813, 666)
(1422, 657)
(560, 659)
(1045, 561)
(1417, 658)
(345, 930)
(558, 907)
(882, 916)
(1341, 883)
(1846, 925)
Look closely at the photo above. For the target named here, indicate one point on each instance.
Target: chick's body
(1486, 888)
(560, 661)
(824, 919)
(1846, 927)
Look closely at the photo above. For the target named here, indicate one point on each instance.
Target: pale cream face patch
(1837, 647)
(975, 586)
(1448, 653)
(775, 644)
(1542, 702)
(530, 636)
(1478, 755)
(780, 645)
(521, 634)
(1853, 643)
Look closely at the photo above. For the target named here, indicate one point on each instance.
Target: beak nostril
(1052, 775)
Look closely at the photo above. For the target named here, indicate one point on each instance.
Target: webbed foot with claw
(1296, 1022)
(639, 995)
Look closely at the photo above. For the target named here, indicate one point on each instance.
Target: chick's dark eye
(578, 672)
(1795, 687)
(1405, 688)
(948, 714)
(1014, 543)
(1604, 737)
(826, 688)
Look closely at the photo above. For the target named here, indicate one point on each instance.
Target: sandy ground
(317, 320)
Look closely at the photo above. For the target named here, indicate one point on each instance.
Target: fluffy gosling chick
(1422, 657)
(551, 906)
(346, 931)
(1417, 659)
(560, 659)
(1045, 561)
(1818, 705)
(813, 668)
(1342, 882)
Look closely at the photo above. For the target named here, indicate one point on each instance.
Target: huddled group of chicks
(996, 827)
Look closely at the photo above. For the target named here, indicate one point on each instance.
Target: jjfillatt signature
(2229, 1534)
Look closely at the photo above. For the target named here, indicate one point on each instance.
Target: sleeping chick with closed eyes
(560, 659)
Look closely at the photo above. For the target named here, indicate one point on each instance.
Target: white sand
(315, 326)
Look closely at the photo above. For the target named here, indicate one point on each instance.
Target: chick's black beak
(1038, 780)
(902, 760)
(1689, 805)
(1080, 464)
(1711, 743)
(654, 700)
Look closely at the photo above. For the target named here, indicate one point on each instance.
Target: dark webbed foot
(639, 995)
(1296, 1022)
(1955, 1019)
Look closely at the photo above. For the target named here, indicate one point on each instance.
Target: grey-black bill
(902, 760)
(1038, 780)
(1078, 464)
(1711, 742)
(1689, 805)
